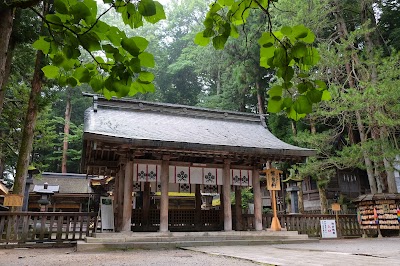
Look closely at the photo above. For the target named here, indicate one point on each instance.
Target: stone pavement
(354, 252)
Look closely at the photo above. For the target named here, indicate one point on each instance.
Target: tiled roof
(167, 123)
(68, 183)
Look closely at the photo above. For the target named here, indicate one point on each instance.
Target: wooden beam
(103, 163)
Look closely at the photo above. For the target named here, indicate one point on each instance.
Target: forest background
(357, 42)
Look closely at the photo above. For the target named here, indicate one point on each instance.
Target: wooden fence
(23, 227)
(39, 227)
(309, 224)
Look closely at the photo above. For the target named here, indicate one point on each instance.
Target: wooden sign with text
(335, 207)
(12, 200)
(273, 178)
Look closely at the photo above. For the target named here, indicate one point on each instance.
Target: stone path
(354, 252)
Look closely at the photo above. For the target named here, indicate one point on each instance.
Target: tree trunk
(6, 74)
(381, 136)
(322, 199)
(343, 33)
(367, 160)
(391, 179)
(2, 97)
(313, 129)
(68, 110)
(294, 127)
(301, 197)
(29, 126)
(261, 103)
(6, 22)
(218, 81)
(30, 122)
(260, 98)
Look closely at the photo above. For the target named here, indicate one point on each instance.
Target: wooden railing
(22, 227)
(310, 223)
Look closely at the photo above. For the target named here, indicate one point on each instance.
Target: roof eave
(303, 153)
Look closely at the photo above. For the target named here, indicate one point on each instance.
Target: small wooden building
(349, 183)
(160, 148)
(72, 192)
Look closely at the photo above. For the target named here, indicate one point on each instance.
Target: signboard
(13, 200)
(335, 207)
(273, 179)
(328, 229)
(107, 213)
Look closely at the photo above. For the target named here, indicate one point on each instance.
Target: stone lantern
(293, 189)
(29, 181)
(45, 194)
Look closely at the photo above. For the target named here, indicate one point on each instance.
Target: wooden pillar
(197, 219)
(221, 206)
(146, 205)
(238, 208)
(164, 194)
(127, 205)
(115, 199)
(120, 197)
(226, 188)
(257, 200)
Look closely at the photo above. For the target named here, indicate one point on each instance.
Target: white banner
(190, 175)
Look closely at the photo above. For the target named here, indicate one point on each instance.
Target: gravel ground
(68, 257)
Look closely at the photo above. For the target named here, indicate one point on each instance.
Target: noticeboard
(328, 229)
(335, 207)
(107, 213)
(13, 200)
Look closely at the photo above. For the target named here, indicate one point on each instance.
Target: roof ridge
(135, 104)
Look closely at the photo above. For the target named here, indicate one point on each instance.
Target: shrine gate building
(158, 151)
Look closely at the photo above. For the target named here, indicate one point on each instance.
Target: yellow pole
(275, 224)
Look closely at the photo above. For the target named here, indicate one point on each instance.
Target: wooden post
(164, 194)
(127, 206)
(238, 208)
(221, 207)
(273, 184)
(257, 200)
(120, 197)
(336, 208)
(115, 197)
(227, 196)
(275, 224)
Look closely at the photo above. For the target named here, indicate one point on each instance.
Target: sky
(163, 2)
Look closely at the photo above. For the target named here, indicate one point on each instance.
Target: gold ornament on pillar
(273, 184)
